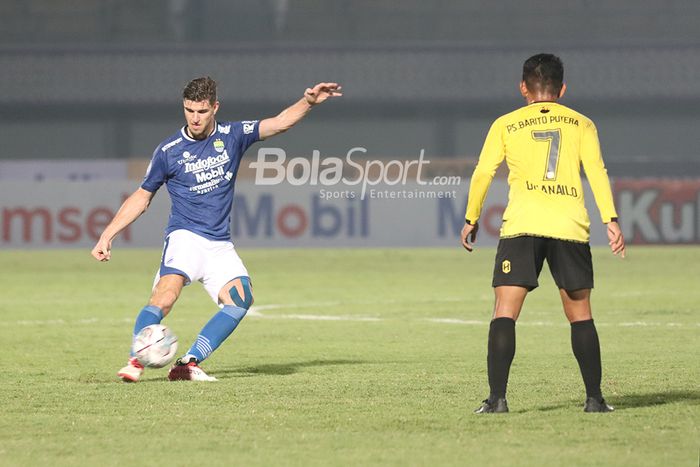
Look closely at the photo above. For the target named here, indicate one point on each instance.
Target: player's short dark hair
(544, 73)
(200, 89)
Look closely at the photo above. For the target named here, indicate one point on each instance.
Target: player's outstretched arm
(469, 236)
(616, 239)
(292, 114)
(130, 210)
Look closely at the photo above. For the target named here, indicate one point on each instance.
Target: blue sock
(150, 314)
(216, 331)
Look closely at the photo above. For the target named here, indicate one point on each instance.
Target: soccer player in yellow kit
(544, 145)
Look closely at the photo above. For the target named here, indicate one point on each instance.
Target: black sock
(500, 356)
(586, 347)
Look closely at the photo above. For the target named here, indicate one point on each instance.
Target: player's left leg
(235, 297)
(501, 345)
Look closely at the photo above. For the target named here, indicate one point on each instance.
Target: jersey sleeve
(492, 154)
(596, 173)
(246, 132)
(156, 173)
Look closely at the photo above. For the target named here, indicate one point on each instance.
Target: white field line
(455, 321)
(484, 323)
(256, 312)
(61, 322)
(323, 317)
(644, 323)
(634, 324)
(273, 306)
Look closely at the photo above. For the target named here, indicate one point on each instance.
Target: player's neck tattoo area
(203, 135)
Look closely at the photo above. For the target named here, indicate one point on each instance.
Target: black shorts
(519, 261)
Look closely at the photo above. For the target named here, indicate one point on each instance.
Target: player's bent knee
(242, 298)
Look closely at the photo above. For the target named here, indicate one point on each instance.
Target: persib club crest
(219, 145)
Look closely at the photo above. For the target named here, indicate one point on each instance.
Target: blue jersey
(200, 176)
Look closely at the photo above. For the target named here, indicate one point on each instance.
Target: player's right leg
(178, 265)
(572, 269)
(586, 346)
(163, 297)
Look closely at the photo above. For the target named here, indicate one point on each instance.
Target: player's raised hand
(321, 92)
(469, 236)
(102, 250)
(615, 239)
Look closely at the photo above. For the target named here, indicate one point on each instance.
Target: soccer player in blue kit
(198, 164)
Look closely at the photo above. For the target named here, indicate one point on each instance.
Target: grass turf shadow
(272, 369)
(651, 399)
(634, 401)
(281, 369)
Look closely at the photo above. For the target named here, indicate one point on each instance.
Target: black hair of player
(544, 74)
(200, 89)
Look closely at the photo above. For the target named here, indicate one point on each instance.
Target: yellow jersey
(544, 145)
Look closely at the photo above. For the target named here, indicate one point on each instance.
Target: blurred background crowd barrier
(88, 89)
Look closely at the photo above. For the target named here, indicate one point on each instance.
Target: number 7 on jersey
(553, 138)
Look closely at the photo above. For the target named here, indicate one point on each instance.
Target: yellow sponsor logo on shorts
(505, 266)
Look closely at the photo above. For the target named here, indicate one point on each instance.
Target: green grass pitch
(354, 357)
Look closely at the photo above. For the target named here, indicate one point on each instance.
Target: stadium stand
(429, 74)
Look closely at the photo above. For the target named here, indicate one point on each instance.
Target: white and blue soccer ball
(155, 346)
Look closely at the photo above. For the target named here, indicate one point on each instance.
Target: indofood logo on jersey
(209, 168)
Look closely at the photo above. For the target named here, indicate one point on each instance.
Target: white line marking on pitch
(484, 323)
(273, 306)
(322, 317)
(455, 321)
(256, 312)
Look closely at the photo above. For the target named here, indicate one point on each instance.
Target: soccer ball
(155, 346)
